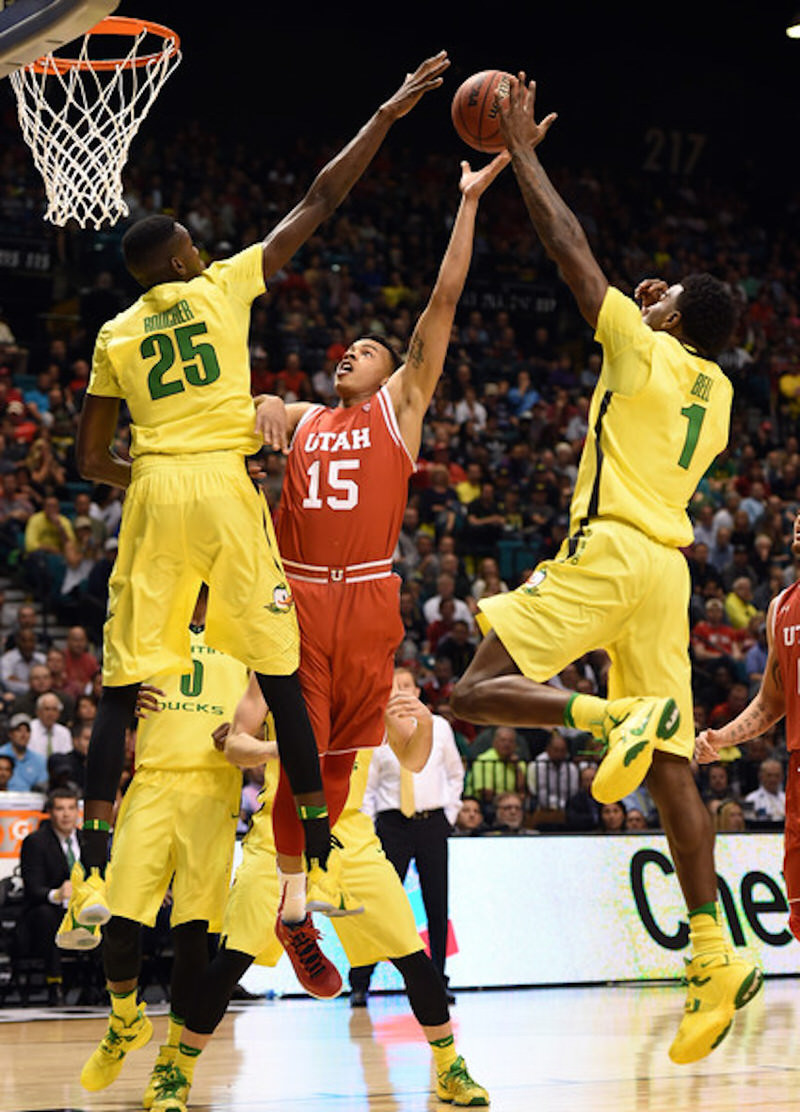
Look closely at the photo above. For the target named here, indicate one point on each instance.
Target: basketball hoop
(79, 116)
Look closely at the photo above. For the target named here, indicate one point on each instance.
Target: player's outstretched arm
(334, 181)
(767, 708)
(95, 457)
(413, 385)
(557, 226)
(409, 730)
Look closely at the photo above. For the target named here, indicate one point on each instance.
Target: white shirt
(552, 784)
(431, 611)
(16, 669)
(60, 740)
(439, 784)
(762, 804)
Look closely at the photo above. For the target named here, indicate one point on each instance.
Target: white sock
(293, 891)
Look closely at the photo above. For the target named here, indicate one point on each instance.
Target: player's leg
(428, 999)
(387, 931)
(791, 842)
(652, 654)
(151, 597)
(569, 606)
(251, 616)
(128, 1025)
(431, 859)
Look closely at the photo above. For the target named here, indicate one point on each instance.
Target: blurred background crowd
(501, 445)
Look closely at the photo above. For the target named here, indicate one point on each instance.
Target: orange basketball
(476, 108)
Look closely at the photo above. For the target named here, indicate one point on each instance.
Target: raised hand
(649, 291)
(475, 182)
(424, 78)
(517, 121)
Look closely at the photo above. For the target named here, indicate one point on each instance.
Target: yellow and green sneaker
(88, 909)
(455, 1086)
(160, 1066)
(631, 728)
(171, 1085)
(718, 985)
(105, 1063)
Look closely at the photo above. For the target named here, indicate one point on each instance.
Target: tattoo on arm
(753, 720)
(417, 350)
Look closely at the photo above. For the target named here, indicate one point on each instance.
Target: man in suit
(46, 858)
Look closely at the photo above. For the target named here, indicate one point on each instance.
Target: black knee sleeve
(122, 949)
(104, 763)
(213, 991)
(297, 746)
(426, 992)
(190, 961)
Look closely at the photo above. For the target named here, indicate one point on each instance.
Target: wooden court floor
(536, 1050)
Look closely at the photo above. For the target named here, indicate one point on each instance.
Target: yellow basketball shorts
(611, 587)
(384, 930)
(190, 519)
(169, 829)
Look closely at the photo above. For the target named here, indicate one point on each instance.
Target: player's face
(362, 370)
(663, 315)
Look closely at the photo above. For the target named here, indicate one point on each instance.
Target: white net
(79, 120)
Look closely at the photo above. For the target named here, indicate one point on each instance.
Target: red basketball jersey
(345, 488)
(786, 643)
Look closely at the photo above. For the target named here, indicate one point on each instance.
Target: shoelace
(170, 1081)
(459, 1070)
(112, 1043)
(303, 941)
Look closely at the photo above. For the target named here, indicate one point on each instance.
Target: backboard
(30, 28)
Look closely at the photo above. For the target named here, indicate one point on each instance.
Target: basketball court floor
(536, 1050)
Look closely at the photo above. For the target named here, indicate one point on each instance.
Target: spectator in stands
(485, 523)
(16, 664)
(46, 861)
(509, 814)
(458, 647)
(7, 763)
(635, 820)
(552, 777)
(718, 782)
(27, 618)
(80, 665)
(498, 769)
(442, 626)
(714, 641)
(582, 811)
(755, 660)
(48, 736)
(439, 686)
(75, 760)
(446, 589)
(47, 534)
(469, 820)
(439, 508)
(30, 770)
(739, 607)
(40, 681)
(612, 818)
(729, 817)
(768, 802)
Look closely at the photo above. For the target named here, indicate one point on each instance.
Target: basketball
(476, 108)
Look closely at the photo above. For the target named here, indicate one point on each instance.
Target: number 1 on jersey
(334, 480)
(694, 414)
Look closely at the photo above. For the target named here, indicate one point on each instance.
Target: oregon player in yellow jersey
(384, 931)
(658, 417)
(178, 358)
(175, 830)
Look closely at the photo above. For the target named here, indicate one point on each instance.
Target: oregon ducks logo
(532, 583)
(282, 600)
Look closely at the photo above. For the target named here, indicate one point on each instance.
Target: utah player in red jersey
(341, 509)
(778, 697)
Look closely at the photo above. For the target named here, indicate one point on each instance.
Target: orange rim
(113, 25)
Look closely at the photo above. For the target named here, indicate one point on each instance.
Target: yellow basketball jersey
(659, 416)
(179, 358)
(178, 738)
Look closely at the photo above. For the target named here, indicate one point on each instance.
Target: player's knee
(462, 698)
